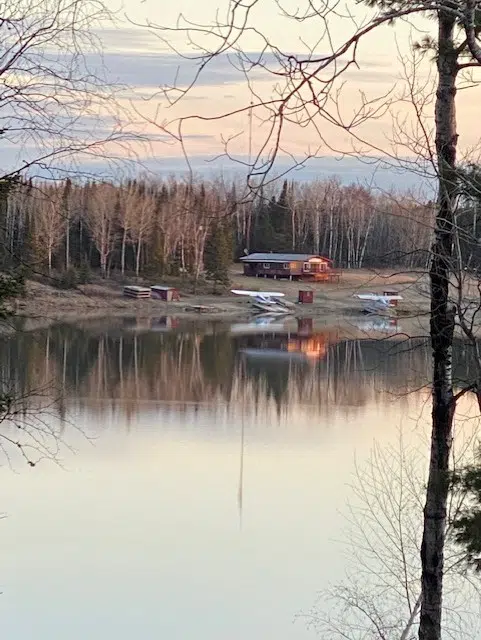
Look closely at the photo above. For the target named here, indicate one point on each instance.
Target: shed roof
(281, 257)
(161, 287)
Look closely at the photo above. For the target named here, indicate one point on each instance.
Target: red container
(306, 297)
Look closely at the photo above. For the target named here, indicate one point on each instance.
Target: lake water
(204, 473)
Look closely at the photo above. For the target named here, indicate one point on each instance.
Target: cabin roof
(281, 257)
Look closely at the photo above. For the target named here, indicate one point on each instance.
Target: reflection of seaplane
(267, 301)
(379, 303)
(262, 322)
(378, 325)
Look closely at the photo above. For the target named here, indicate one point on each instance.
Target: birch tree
(101, 221)
(140, 209)
(49, 221)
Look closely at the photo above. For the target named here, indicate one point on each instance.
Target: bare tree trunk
(137, 257)
(103, 264)
(67, 243)
(442, 328)
(122, 255)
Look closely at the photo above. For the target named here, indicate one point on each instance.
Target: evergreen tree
(273, 223)
(218, 252)
(467, 524)
(281, 221)
(262, 238)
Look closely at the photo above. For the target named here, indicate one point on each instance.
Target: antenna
(250, 132)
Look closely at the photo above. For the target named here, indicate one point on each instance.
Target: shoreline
(45, 305)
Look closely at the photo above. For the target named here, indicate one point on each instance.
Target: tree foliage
(165, 227)
(219, 252)
(467, 526)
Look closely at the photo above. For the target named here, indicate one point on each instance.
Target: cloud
(138, 58)
(148, 69)
(129, 39)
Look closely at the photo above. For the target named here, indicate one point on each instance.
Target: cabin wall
(258, 269)
(295, 268)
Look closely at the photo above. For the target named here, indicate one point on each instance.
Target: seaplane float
(267, 302)
(379, 303)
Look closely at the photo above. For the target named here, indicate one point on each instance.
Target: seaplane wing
(256, 294)
(377, 297)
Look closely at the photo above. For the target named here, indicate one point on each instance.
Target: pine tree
(280, 218)
(263, 233)
(218, 253)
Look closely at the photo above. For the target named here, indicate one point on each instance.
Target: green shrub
(68, 279)
(84, 274)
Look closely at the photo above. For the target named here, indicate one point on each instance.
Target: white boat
(379, 303)
(267, 301)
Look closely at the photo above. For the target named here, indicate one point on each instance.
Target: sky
(144, 53)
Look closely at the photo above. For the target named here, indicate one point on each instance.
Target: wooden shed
(161, 292)
(295, 266)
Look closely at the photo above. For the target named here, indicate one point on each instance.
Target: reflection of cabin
(295, 266)
(310, 345)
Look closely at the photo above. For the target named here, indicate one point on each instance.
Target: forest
(173, 226)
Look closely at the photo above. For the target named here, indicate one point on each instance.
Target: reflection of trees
(127, 368)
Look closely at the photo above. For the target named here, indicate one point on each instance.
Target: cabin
(295, 266)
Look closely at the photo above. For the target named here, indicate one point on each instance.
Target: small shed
(161, 292)
(306, 297)
(132, 291)
(295, 266)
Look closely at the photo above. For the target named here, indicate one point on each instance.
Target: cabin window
(307, 266)
(286, 265)
(266, 265)
(322, 266)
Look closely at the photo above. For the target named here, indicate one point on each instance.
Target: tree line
(173, 226)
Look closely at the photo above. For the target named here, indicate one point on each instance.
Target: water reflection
(251, 366)
(157, 508)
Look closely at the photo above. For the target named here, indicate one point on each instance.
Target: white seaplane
(379, 303)
(268, 302)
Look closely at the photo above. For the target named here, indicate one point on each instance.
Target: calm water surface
(203, 497)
